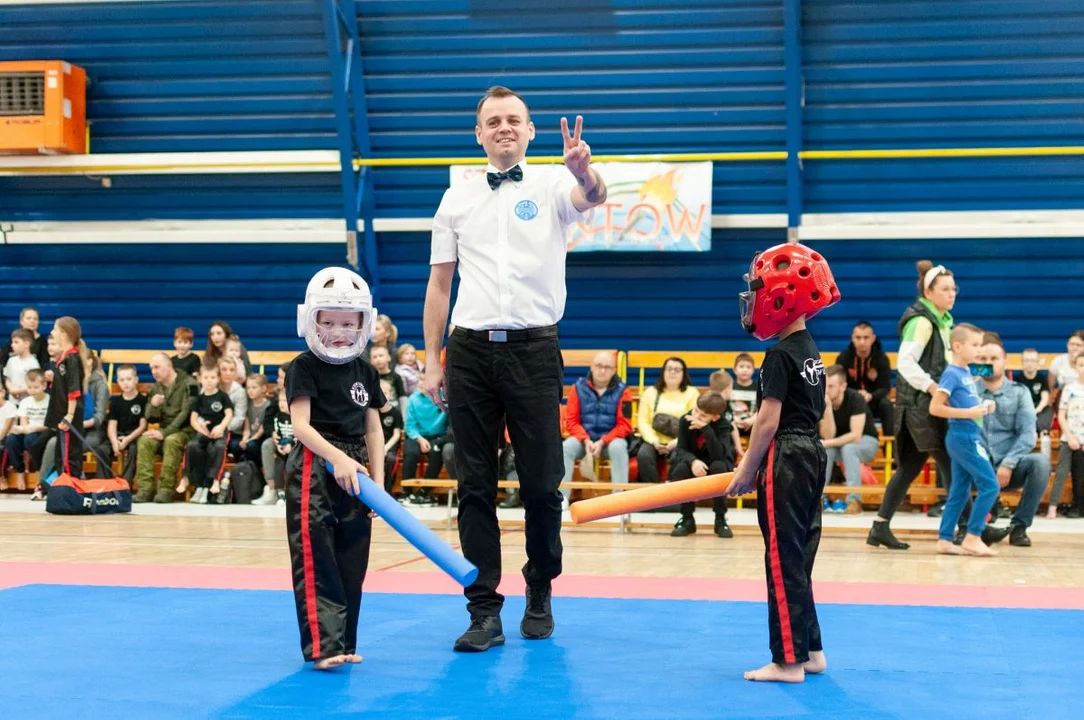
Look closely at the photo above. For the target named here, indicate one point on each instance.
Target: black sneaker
(722, 529)
(1073, 512)
(1019, 536)
(143, 497)
(485, 631)
(511, 500)
(684, 526)
(537, 621)
(936, 511)
(992, 535)
(961, 533)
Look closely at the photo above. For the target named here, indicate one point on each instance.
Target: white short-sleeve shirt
(34, 410)
(17, 368)
(510, 246)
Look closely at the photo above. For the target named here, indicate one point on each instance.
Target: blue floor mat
(109, 652)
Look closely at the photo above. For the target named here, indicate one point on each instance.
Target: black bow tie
(514, 173)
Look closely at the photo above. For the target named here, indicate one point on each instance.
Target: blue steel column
(795, 101)
(352, 130)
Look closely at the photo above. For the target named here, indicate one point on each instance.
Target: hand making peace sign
(577, 152)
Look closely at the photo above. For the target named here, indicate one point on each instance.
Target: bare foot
(182, 485)
(973, 545)
(777, 673)
(354, 658)
(945, 547)
(20, 482)
(215, 487)
(817, 663)
(3, 484)
(330, 662)
(1052, 513)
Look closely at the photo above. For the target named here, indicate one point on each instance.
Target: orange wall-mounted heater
(42, 108)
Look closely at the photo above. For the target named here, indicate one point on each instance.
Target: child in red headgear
(788, 284)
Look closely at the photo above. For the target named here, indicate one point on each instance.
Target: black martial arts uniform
(789, 486)
(328, 529)
(205, 457)
(67, 385)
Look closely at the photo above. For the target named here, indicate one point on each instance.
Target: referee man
(506, 232)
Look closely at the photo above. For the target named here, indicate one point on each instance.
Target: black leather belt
(505, 336)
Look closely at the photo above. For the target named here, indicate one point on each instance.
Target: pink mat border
(235, 578)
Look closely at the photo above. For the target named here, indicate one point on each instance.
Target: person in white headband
(925, 351)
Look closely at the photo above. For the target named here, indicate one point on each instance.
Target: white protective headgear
(345, 291)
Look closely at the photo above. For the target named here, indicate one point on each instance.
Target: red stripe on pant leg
(222, 465)
(777, 567)
(309, 569)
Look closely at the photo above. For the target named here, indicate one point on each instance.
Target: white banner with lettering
(652, 206)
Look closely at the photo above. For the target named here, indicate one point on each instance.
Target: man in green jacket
(168, 403)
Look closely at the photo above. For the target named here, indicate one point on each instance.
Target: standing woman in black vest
(924, 353)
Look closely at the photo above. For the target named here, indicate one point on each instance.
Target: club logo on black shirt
(61, 369)
(359, 395)
(813, 371)
(216, 406)
(137, 410)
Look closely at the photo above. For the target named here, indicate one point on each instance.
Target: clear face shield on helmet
(336, 334)
(747, 299)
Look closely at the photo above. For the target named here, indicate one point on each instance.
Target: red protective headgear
(785, 282)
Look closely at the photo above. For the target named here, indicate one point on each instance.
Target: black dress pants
(520, 380)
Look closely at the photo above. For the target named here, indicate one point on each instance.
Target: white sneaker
(564, 504)
(195, 495)
(269, 497)
(203, 494)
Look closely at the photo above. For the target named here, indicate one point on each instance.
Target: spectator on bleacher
(1062, 370)
(217, 336)
(185, 360)
(599, 415)
(269, 446)
(247, 446)
(385, 335)
(96, 411)
(235, 351)
(869, 372)
(1010, 439)
(1071, 422)
(227, 372)
(381, 361)
(127, 420)
(24, 436)
(743, 396)
(848, 434)
(1037, 383)
(168, 403)
(28, 320)
(409, 368)
(209, 416)
(391, 422)
(19, 362)
(9, 411)
(426, 426)
(708, 443)
(661, 407)
(282, 444)
(924, 354)
(53, 352)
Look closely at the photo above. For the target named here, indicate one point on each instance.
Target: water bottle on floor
(1044, 445)
(224, 491)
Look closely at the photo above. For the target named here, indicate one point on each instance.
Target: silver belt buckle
(498, 336)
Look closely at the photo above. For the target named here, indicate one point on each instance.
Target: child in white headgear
(334, 398)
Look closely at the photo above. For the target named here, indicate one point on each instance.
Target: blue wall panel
(649, 77)
(970, 73)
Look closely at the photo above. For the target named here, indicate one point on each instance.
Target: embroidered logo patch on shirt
(813, 371)
(216, 406)
(526, 210)
(359, 394)
(137, 410)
